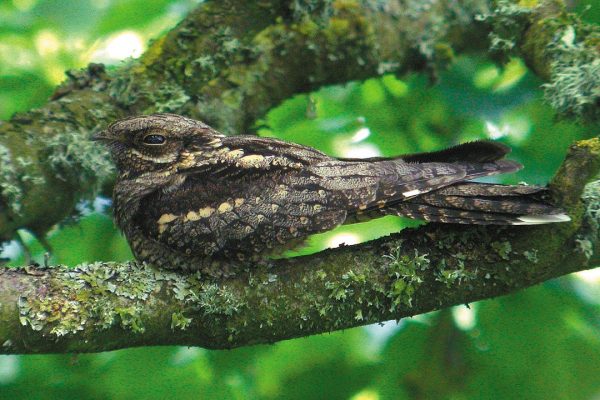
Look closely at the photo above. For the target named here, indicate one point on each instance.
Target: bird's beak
(100, 136)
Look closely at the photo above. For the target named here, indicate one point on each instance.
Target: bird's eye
(154, 139)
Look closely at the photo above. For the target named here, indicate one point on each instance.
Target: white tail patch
(541, 219)
(411, 193)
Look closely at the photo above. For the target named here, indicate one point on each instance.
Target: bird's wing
(235, 155)
(368, 185)
(236, 218)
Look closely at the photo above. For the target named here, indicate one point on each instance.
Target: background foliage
(542, 343)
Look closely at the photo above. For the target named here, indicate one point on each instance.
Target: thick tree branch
(105, 306)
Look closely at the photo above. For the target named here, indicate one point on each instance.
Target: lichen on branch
(558, 46)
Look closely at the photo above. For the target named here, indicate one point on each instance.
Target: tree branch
(106, 306)
(228, 63)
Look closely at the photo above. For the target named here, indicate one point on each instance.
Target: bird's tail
(483, 204)
(436, 187)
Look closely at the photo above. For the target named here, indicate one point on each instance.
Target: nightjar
(188, 197)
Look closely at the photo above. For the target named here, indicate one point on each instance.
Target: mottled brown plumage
(187, 196)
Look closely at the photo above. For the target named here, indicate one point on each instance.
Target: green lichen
(435, 28)
(123, 87)
(509, 22)
(460, 274)
(226, 50)
(76, 159)
(65, 315)
(169, 97)
(585, 247)
(344, 289)
(344, 297)
(28, 316)
(319, 10)
(138, 288)
(216, 299)
(180, 321)
(182, 291)
(358, 315)
(219, 300)
(591, 199)
(81, 296)
(559, 46)
(435, 21)
(531, 255)
(205, 64)
(574, 87)
(129, 89)
(591, 226)
(10, 187)
(503, 249)
(405, 271)
(130, 319)
(23, 164)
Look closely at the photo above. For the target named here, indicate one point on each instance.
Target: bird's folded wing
(243, 153)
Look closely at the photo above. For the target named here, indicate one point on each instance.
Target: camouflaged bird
(187, 195)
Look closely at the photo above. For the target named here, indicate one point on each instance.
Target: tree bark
(227, 63)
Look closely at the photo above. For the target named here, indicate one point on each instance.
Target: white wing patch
(411, 193)
(541, 219)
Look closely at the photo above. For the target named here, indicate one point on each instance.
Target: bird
(190, 198)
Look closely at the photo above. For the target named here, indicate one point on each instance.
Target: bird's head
(152, 142)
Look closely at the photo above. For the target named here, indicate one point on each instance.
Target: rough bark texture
(227, 63)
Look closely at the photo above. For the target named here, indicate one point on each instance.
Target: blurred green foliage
(542, 343)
